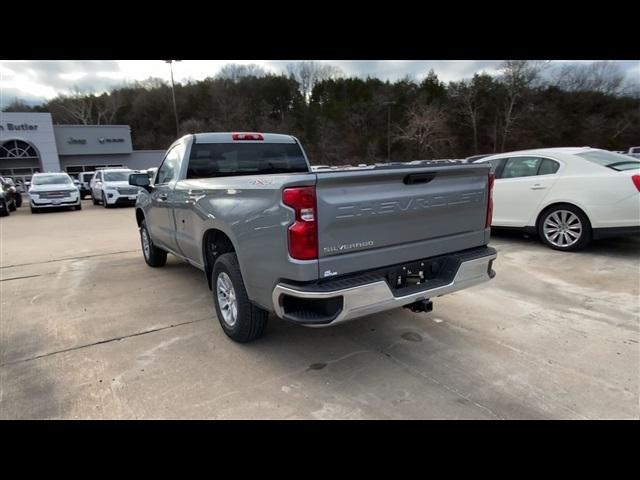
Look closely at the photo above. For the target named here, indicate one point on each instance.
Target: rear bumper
(374, 296)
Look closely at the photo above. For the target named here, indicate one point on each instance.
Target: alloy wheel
(227, 299)
(562, 228)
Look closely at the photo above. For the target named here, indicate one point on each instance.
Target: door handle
(537, 186)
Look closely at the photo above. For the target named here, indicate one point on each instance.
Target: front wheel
(240, 319)
(4, 210)
(565, 227)
(104, 201)
(12, 206)
(154, 256)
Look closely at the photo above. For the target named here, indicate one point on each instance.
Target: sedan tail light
(491, 180)
(303, 233)
(636, 181)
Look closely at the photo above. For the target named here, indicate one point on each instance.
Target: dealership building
(30, 143)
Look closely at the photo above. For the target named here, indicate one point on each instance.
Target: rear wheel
(12, 206)
(154, 256)
(240, 319)
(564, 227)
(4, 210)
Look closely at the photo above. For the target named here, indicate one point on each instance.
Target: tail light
(247, 136)
(303, 234)
(636, 181)
(492, 179)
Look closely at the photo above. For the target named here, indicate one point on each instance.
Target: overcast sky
(37, 81)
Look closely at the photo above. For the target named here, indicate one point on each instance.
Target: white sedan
(568, 196)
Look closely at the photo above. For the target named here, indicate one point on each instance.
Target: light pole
(173, 95)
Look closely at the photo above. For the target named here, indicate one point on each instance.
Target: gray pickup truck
(315, 248)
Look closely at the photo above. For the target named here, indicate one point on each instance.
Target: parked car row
(108, 187)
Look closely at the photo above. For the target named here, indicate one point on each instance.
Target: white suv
(53, 190)
(110, 187)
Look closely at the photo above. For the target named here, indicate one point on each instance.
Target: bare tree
(469, 105)
(604, 77)
(17, 105)
(427, 130)
(192, 125)
(307, 74)
(235, 72)
(107, 107)
(517, 76)
(79, 106)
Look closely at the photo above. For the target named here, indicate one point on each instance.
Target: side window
(170, 166)
(517, 167)
(547, 167)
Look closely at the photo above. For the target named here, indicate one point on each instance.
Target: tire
(154, 256)
(104, 201)
(95, 201)
(78, 207)
(19, 201)
(4, 210)
(12, 206)
(250, 322)
(571, 221)
(35, 210)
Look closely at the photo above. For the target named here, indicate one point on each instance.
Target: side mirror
(140, 180)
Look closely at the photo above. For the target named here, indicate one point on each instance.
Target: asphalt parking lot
(89, 331)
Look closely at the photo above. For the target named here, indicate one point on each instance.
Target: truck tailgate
(374, 218)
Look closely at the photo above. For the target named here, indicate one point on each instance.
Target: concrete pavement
(87, 330)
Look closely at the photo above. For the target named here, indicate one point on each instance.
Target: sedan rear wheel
(565, 228)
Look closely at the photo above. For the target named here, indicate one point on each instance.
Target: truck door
(161, 223)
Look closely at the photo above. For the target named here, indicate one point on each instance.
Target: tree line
(350, 120)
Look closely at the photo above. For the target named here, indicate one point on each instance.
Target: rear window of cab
(230, 159)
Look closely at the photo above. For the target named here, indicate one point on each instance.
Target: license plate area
(421, 274)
